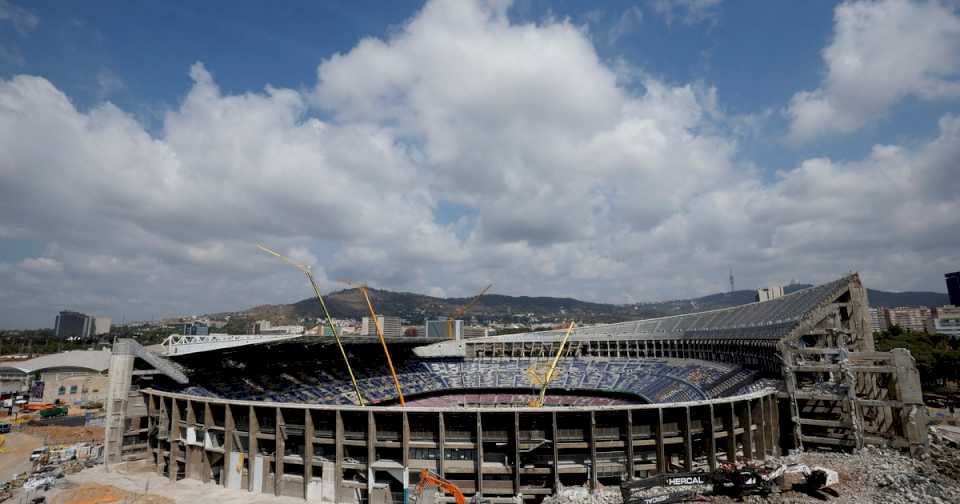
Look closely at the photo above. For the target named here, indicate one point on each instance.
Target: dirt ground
(138, 482)
(97, 493)
(56, 434)
(16, 454)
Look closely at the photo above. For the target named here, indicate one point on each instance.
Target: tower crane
(463, 309)
(545, 379)
(333, 328)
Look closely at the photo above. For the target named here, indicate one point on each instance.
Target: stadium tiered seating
(653, 380)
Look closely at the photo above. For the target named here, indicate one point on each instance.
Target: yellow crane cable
(538, 402)
(376, 323)
(333, 328)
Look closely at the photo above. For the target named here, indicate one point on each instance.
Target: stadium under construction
(516, 417)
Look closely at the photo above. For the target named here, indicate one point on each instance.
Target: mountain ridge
(415, 307)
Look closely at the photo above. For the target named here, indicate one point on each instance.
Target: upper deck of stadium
(768, 321)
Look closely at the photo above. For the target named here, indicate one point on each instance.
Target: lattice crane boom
(463, 309)
(548, 376)
(333, 328)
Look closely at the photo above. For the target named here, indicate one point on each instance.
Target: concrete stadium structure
(636, 398)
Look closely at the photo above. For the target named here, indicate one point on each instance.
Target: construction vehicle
(333, 328)
(463, 309)
(435, 483)
(56, 411)
(543, 377)
(732, 480)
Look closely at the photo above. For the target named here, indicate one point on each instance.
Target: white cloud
(688, 11)
(23, 20)
(571, 184)
(108, 83)
(881, 54)
(628, 22)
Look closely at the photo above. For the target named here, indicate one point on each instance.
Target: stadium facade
(631, 399)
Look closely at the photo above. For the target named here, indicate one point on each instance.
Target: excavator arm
(428, 479)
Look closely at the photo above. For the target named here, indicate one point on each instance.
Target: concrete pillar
(120, 376)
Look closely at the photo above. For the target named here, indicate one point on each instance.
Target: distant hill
(414, 307)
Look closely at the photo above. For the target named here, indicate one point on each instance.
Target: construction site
(521, 417)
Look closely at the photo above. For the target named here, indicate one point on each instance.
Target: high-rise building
(392, 326)
(768, 293)
(71, 324)
(953, 287)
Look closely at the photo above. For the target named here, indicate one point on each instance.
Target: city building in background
(879, 320)
(196, 329)
(267, 327)
(475, 332)
(71, 324)
(101, 325)
(953, 287)
(768, 293)
(442, 329)
(946, 320)
(392, 326)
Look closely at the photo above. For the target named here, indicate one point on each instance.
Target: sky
(617, 152)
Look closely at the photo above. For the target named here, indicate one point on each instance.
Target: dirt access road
(16, 454)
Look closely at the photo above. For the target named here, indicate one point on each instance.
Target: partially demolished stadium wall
(840, 391)
(373, 454)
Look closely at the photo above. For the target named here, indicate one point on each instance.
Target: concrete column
(120, 376)
(593, 450)
(746, 422)
(307, 452)
(556, 454)
(443, 439)
(173, 467)
(628, 443)
(253, 428)
(710, 431)
(661, 450)
(516, 452)
(338, 465)
(731, 433)
(279, 447)
(687, 440)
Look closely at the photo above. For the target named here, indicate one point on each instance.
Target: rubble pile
(583, 495)
(872, 475)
